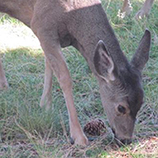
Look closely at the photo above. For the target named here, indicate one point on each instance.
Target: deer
(3, 80)
(143, 12)
(84, 25)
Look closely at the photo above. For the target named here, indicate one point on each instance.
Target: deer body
(84, 25)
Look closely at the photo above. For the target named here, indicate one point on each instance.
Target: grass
(26, 130)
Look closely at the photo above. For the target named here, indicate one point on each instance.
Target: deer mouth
(121, 142)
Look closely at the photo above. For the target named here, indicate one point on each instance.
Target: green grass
(26, 130)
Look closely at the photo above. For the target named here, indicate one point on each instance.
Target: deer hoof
(79, 141)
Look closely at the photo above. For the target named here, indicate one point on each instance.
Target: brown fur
(84, 25)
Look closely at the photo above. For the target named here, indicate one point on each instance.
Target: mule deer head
(120, 87)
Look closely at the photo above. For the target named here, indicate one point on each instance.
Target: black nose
(126, 141)
(123, 142)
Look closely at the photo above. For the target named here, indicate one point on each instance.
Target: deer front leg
(145, 10)
(60, 69)
(3, 80)
(46, 99)
(56, 61)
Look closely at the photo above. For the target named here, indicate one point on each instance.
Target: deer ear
(142, 54)
(103, 62)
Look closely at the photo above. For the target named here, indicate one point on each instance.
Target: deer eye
(121, 109)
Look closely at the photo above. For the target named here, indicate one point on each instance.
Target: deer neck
(96, 27)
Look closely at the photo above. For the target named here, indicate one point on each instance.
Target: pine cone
(95, 128)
